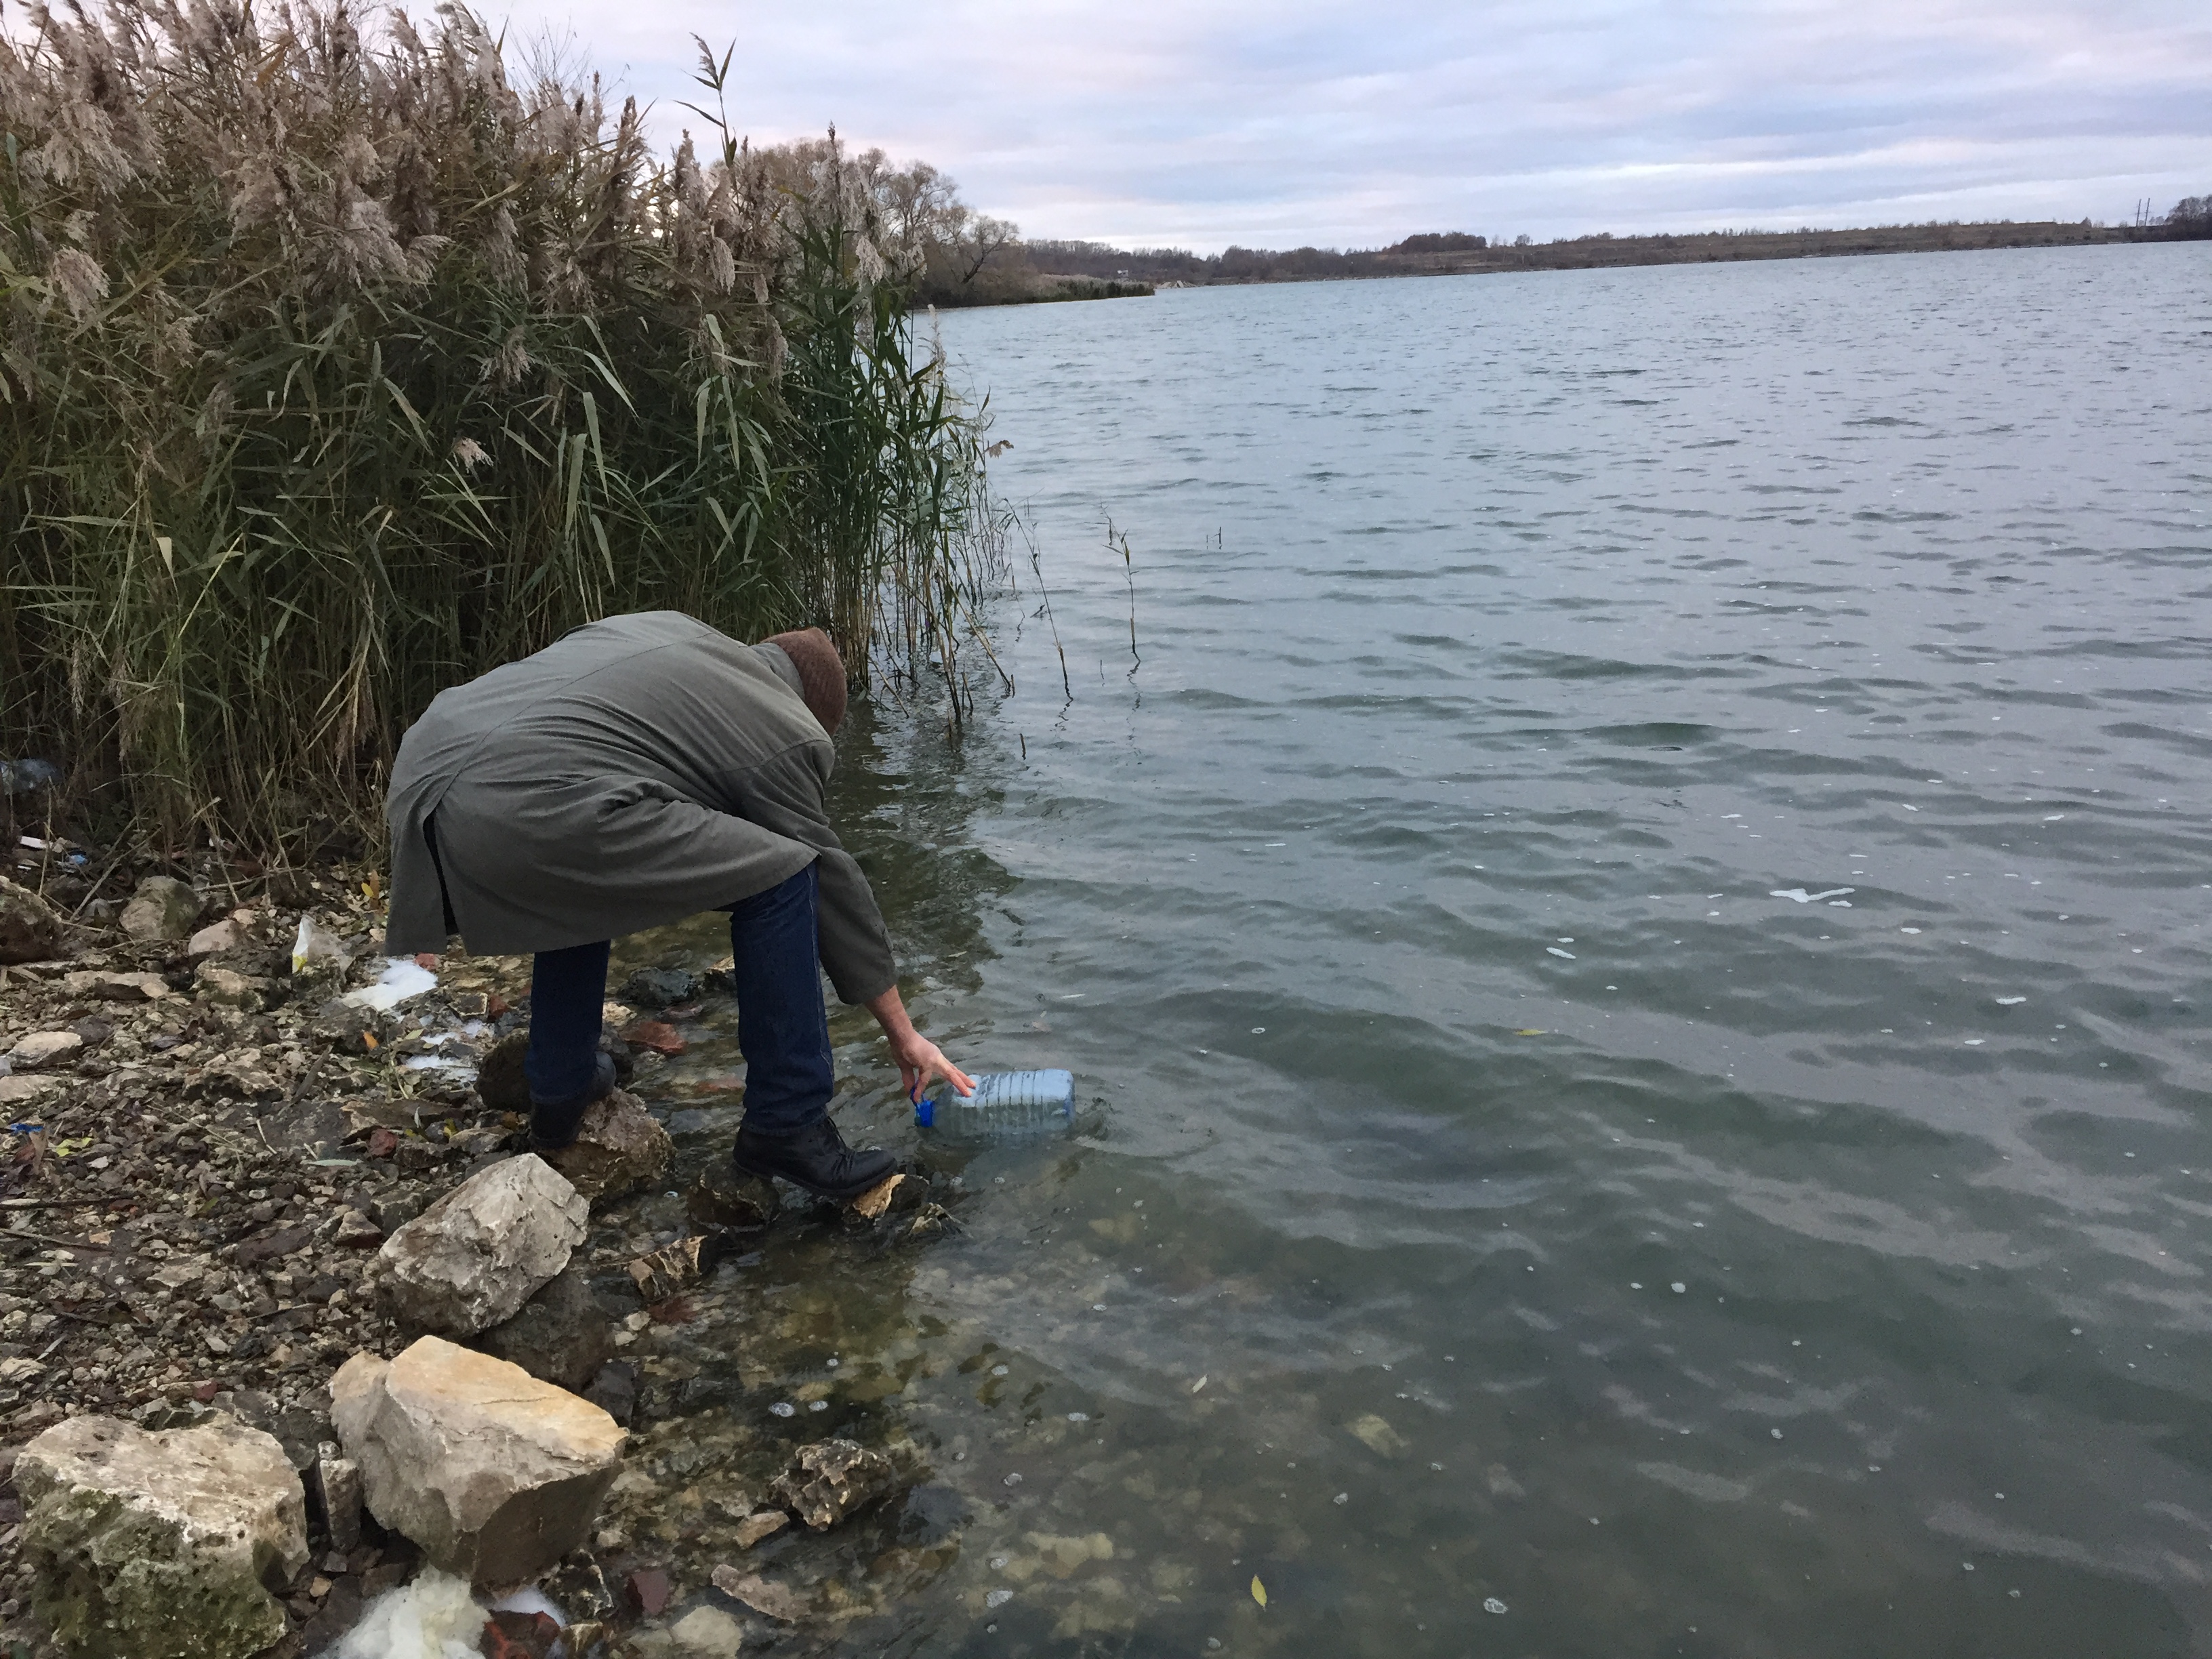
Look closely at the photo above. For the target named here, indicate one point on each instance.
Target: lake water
(1632, 934)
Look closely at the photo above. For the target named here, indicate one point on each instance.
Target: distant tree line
(2190, 217)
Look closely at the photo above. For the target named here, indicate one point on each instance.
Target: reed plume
(338, 364)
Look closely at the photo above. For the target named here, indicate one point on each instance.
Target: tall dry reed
(337, 365)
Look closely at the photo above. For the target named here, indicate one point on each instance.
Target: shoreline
(1152, 270)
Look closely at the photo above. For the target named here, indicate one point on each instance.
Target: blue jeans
(783, 1031)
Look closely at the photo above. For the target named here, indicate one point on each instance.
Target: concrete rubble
(162, 1545)
(473, 1258)
(494, 1473)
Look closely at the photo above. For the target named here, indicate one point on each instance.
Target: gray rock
(830, 1480)
(337, 1485)
(30, 928)
(614, 1390)
(473, 1258)
(495, 1474)
(163, 907)
(227, 988)
(619, 1149)
(562, 1335)
(161, 1545)
(660, 988)
(44, 1048)
(215, 939)
(351, 1028)
(499, 1083)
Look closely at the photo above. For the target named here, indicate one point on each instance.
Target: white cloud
(1342, 124)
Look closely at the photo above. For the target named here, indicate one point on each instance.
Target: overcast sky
(1352, 122)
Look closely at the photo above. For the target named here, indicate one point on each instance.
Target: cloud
(1340, 123)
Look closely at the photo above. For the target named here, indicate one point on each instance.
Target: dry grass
(336, 366)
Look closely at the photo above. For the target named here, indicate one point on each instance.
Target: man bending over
(637, 771)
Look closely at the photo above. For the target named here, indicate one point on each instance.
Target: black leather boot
(554, 1123)
(815, 1157)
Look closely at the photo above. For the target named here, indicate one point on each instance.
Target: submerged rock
(562, 1335)
(473, 1258)
(763, 1595)
(831, 1479)
(495, 1474)
(161, 1546)
(30, 928)
(722, 1198)
(163, 907)
(619, 1149)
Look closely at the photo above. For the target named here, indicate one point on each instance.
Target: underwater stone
(830, 1480)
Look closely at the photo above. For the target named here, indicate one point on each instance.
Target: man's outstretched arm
(920, 1061)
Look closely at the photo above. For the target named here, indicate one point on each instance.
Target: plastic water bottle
(1006, 1106)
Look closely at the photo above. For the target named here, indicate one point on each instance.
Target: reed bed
(338, 363)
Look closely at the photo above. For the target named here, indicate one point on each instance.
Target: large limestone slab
(495, 1474)
(161, 1545)
(473, 1258)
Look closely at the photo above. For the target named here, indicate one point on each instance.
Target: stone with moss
(161, 1545)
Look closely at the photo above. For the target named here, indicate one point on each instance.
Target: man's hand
(920, 1061)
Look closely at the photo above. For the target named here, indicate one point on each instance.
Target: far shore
(1090, 270)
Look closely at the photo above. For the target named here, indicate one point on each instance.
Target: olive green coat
(636, 771)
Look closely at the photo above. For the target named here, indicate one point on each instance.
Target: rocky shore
(226, 1108)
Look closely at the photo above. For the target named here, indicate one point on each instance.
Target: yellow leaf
(1533, 1030)
(1259, 1591)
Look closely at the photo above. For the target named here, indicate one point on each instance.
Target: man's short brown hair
(821, 673)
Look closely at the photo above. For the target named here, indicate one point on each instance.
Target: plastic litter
(1798, 895)
(434, 1617)
(1006, 1106)
(402, 978)
(315, 945)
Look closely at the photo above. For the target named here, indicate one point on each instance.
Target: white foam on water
(1798, 895)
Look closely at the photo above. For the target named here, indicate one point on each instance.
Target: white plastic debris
(316, 944)
(1798, 895)
(531, 1599)
(1492, 1604)
(402, 978)
(434, 1617)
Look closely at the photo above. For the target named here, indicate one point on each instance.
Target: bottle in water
(1006, 1106)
